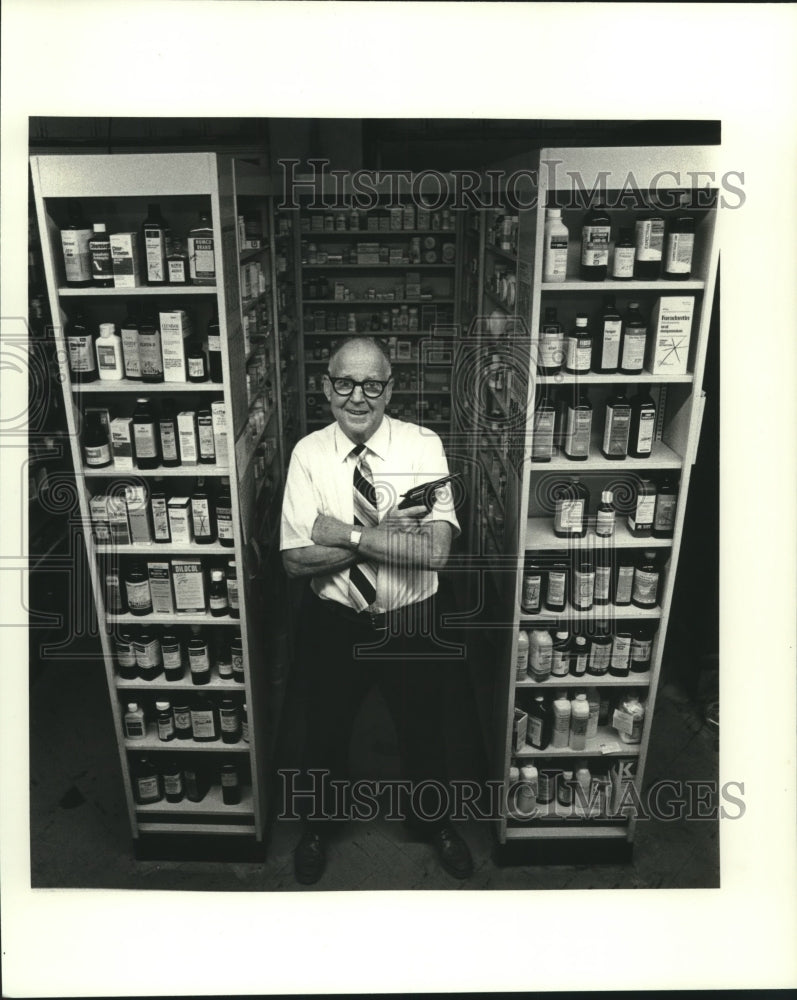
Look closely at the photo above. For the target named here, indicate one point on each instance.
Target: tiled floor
(80, 835)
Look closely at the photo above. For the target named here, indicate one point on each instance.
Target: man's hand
(407, 520)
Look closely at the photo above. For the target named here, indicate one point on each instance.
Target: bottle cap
(562, 635)
(162, 706)
(607, 496)
(132, 706)
(99, 227)
(581, 640)
(553, 213)
(581, 697)
(107, 329)
(633, 305)
(581, 320)
(216, 574)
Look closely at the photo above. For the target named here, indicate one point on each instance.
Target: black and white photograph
(390, 486)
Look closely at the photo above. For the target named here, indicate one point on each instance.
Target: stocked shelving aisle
(199, 655)
(555, 561)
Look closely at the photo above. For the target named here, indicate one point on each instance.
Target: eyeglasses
(371, 387)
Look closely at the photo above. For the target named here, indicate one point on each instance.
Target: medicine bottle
(600, 650)
(100, 254)
(550, 348)
(556, 589)
(172, 775)
(620, 661)
(149, 350)
(623, 581)
(617, 426)
(595, 237)
(578, 430)
(201, 252)
(635, 339)
(244, 723)
(230, 784)
(205, 437)
(182, 720)
(139, 598)
(96, 446)
(177, 270)
(109, 354)
(607, 346)
(579, 719)
(571, 505)
(680, 247)
(539, 727)
(202, 514)
(646, 581)
(196, 363)
(214, 348)
(560, 654)
(134, 725)
(75, 238)
(149, 656)
(231, 579)
(579, 656)
(172, 651)
(196, 781)
(605, 516)
(540, 654)
(649, 240)
(223, 513)
(80, 351)
(531, 595)
(641, 648)
(237, 651)
(640, 518)
(130, 346)
(624, 255)
(154, 232)
(198, 657)
(147, 786)
(666, 506)
(165, 721)
(603, 577)
(168, 434)
(229, 721)
(217, 595)
(583, 587)
(126, 656)
(554, 256)
(643, 424)
(204, 720)
(578, 353)
(543, 431)
(146, 437)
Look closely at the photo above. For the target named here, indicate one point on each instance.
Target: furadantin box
(175, 330)
(671, 330)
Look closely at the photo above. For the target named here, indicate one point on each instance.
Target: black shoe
(310, 857)
(453, 852)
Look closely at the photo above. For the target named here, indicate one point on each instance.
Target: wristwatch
(355, 538)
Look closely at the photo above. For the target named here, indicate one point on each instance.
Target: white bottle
(522, 661)
(579, 720)
(134, 722)
(109, 353)
(583, 786)
(540, 654)
(554, 266)
(561, 721)
(527, 791)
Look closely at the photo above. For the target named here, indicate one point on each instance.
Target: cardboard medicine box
(189, 585)
(122, 443)
(98, 508)
(160, 587)
(138, 515)
(175, 330)
(124, 259)
(179, 510)
(670, 333)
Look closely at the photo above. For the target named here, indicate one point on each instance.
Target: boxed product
(175, 330)
(179, 510)
(412, 288)
(670, 332)
(98, 508)
(117, 520)
(124, 258)
(160, 587)
(138, 515)
(186, 430)
(621, 776)
(189, 585)
(519, 728)
(160, 519)
(122, 442)
(219, 416)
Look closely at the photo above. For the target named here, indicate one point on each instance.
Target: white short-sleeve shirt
(401, 456)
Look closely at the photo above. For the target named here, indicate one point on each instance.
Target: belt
(377, 621)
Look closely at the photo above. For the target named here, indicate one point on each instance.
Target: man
(369, 615)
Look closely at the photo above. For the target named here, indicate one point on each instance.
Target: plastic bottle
(100, 255)
(109, 354)
(579, 428)
(579, 656)
(147, 786)
(634, 342)
(600, 650)
(666, 506)
(540, 723)
(680, 247)
(527, 790)
(560, 654)
(646, 581)
(564, 790)
(554, 267)
(582, 593)
(198, 657)
(571, 505)
(96, 446)
(605, 517)
(165, 721)
(634, 711)
(643, 424)
(624, 255)
(80, 351)
(75, 246)
(582, 784)
(617, 426)
(578, 347)
(201, 252)
(640, 518)
(579, 719)
(649, 240)
(540, 654)
(154, 232)
(621, 654)
(561, 721)
(551, 349)
(595, 238)
(134, 724)
(146, 440)
(607, 346)
(556, 589)
(522, 660)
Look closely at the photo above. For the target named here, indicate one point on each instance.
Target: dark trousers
(342, 658)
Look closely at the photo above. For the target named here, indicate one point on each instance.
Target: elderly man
(369, 615)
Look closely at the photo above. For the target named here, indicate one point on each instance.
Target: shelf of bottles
(389, 272)
(169, 411)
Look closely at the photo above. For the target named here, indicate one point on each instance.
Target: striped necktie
(362, 575)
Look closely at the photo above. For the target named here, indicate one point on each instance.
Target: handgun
(425, 493)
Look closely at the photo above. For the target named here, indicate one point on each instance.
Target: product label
(643, 513)
(172, 657)
(521, 663)
(106, 357)
(160, 588)
(207, 448)
(679, 253)
(77, 261)
(130, 352)
(173, 784)
(224, 522)
(224, 666)
(148, 654)
(634, 349)
(578, 664)
(646, 584)
(126, 656)
(664, 519)
(623, 266)
(165, 728)
(218, 603)
(595, 245)
(579, 354)
(177, 272)
(203, 725)
(532, 586)
(237, 662)
(556, 587)
(229, 722)
(534, 732)
(640, 650)
(615, 435)
(214, 342)
(169, 442)
(551, 350)
(200, 513)
(584, 585)
(134, 728)
(149, 354)
(649, 239)
(202, 257)
(232, 593)
(560, 664)
(628, 724)
(144, 437)
(610, 348)
(569, 516)
(599, 657)
(147, 787)
(229, 779)
(245, 731)
(100, 455)
(604, 524)
(182, 720)
(138, 595)
(647, 422)
(81, 354)
(603, 576)
(155, 250)
(621, 652)
(199, 660)
(542, 441)
(625, 581)
(160, 518)
(196, 368)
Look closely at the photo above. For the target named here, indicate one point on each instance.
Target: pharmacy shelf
(550, 811)
(151, 742)
(166, 549)
(664, 286)
(599, 612)
(367, 235)
(145, 388)
(377, 303)
(404, 266)
(176, 619)
(540, 537)
(595, 378)
(211, 805)
(580, 830)
(160, 470)
(661, 457)
(398, 334)
(160, 684)
(142, 290)
(587, 681)
(606, 743)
